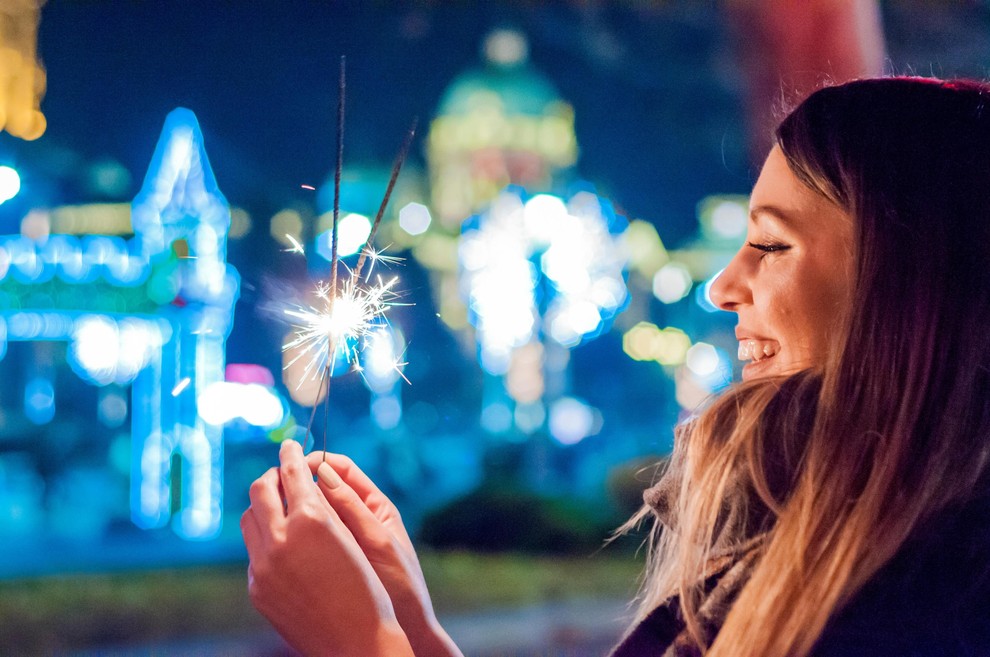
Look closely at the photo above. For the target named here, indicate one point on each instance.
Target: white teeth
(757, 350)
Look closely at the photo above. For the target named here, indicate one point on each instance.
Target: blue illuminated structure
(153, 311)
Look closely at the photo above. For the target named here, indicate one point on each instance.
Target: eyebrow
(773, 211)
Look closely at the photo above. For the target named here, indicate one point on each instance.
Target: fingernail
(328, 476)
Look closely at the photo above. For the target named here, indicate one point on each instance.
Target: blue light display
(152, 311)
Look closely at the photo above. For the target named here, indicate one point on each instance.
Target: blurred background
(578, 177)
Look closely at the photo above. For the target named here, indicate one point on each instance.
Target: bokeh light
(10, 183)
(572, 420)
(415, 218)
(352, 232)
(672, 282)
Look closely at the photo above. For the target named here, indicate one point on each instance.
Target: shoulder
(931, 600)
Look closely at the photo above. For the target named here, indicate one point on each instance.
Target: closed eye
(768, 247)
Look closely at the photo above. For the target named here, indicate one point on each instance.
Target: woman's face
(791, 282)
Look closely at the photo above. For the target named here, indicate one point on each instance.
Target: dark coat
(931, 600)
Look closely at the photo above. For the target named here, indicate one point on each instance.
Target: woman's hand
(307, 574)
(377, 527)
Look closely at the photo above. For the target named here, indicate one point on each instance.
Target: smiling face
(791, 282)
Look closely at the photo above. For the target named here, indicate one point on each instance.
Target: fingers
(350, 473)
(297, 480)
(367, 530)
(266, 499)
(252, 534)
(376, 501)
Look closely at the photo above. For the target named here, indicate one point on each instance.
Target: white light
(260, 406)
(672, 283)
(702, 359)
(95, 346)
(472, 251)
(224, 401)
(352, 233)
(382, 359)
(578, 255)
(179, 153)
(544, 216)
(415, 218)
(10, 183)
(506, 47)
(729, 219)
(137, 344)
(571, 421)
(107, 352)
(205, 241)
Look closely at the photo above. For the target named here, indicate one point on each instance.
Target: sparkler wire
(336, 177)
(369, 303)
(399, 160)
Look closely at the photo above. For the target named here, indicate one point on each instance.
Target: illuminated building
(524, 269)
(499, 125)
(151, 311)
(502, 125)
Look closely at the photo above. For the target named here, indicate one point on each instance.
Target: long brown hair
(895, 426)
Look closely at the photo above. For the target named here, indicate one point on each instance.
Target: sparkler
(350, 311)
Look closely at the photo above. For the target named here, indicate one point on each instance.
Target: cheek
(820, 300)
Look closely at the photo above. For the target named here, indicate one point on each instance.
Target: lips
(757, 350)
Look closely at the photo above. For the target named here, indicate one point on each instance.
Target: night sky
(656, 88)
(656, 101)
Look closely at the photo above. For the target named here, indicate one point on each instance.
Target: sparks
(375, 256)
(296, 246)
(337, 324)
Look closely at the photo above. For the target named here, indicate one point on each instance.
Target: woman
(837, 502)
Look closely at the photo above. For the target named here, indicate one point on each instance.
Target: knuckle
(310, 514)
(381, 543)
(344, 464)
(291, 469)
(262, 482)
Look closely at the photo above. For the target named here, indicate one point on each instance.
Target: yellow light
(672, 347)
(93, 218)
(646, 252)
(22, 79)
(645, 341)
(638, 341)
(286, 224)
(240, 223)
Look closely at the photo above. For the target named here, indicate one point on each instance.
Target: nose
(730, 290)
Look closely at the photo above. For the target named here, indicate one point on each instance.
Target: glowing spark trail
(296, 246)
